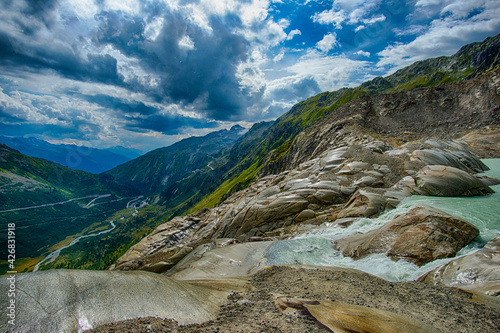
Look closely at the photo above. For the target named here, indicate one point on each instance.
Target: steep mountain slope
(444, 111)
(184, 193)
(158, 169)
(75, 157)
(469, 62)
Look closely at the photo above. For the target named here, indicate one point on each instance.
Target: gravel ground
(448, 310)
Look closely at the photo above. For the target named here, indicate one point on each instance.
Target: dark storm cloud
(168, 124)
(118, 104)
(200, 75)
(205, 71)
(141, 117)
(300, 90)
(16, 54)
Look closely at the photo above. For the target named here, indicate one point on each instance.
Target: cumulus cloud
(330, 72)
(445, 35)
(328, 42)
(362, 53)
(293, 33)
(335, 17)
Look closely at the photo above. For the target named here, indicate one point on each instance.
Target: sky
(147, 73)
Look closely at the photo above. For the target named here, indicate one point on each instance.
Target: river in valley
(315, 248)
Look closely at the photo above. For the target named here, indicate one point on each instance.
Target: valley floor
(254, 310)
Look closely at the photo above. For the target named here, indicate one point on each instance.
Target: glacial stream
(315, 248)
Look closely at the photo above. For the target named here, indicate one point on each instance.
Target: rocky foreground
(305, 299)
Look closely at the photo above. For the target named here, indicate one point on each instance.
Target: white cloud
(330, 72)
(293, 33)
(250, 75)
(126, 6)
(84, 9)
(444, 36)
(153, 29)
(328, 42)
(186, 43)
(331, 17)
(284, 23)
(411, 30)
(279, 57)
(371, 20)
(350, 12)
(363, 53)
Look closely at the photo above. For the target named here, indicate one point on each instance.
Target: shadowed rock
(421, 235)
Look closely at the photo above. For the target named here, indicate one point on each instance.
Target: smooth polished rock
(77, 300)
(421, 235)
(342, 317)
(445, 181)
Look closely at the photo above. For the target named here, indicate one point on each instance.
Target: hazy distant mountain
(160, 168)
(75, 157)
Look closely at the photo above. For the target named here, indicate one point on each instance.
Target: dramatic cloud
(148, 73)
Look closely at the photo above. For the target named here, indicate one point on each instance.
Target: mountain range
(201, 172)
(75, 157)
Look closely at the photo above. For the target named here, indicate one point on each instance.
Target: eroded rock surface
(479, 271)
(445, 181)
(422, 235)
(77, 300)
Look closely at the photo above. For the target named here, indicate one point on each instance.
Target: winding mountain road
(95, 196)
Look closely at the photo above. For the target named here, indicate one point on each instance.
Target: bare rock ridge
(476, 272)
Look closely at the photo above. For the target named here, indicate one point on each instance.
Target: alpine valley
(366, 209)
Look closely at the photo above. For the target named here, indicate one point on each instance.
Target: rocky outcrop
(422, 235)
(363, 203)
(74, 301)
(476, 272)
(483, 142)
(168, 243)
(444, 181)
